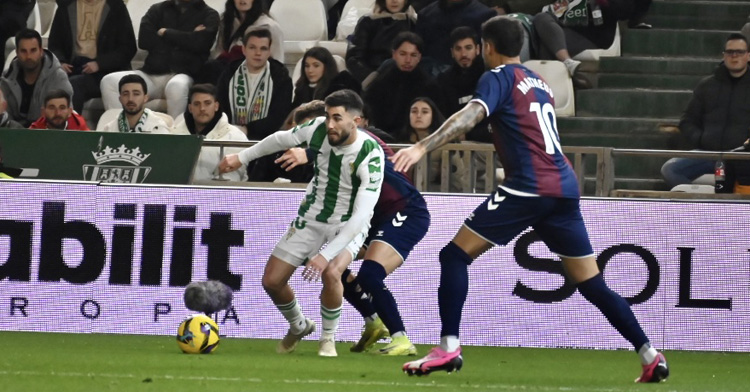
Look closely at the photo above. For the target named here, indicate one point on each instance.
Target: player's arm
(458, 124)
(276, 141)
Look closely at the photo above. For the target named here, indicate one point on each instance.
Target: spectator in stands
(135, 117)
(178, 35)
(437, 20)
(256, 92)
(13, 16)
(460, 80)
(91, 38)
(371, 43)
(241, 16)
(398, 83)
(33, 73)
(424, 118)
(57, 113)
(204, 118)
(5, 120)
(567, 29)
(716, 119)
(320, 77)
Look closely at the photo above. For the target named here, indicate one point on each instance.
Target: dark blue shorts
(558, 221)
(402, 230)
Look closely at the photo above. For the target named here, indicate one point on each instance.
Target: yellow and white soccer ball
(198, 334)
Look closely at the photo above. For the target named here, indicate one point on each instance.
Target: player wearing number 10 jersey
(540, 191)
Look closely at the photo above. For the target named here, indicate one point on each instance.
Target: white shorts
(304, 239)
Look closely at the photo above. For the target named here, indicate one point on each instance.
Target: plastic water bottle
(596, 15)
(720, 177)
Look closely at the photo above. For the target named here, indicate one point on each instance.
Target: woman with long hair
(238, 18)
(424, 119)
(320, 76)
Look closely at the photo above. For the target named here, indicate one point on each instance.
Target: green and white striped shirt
(347, 180)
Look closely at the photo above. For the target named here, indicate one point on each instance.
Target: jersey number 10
(548, 125)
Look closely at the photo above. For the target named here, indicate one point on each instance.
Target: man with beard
(58, 114)
(135, 117)
(33, 73)
(336, 210)
(205, 119)
(460, 80)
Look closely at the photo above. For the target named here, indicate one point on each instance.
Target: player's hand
(230, 163)
(314, 268)
(404, 159)
(292, 158)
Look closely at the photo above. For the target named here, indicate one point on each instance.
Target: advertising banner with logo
(85, 258)
(130, 158)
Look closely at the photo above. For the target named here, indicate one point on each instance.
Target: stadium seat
(555, 73)
(304, 23)
(340, 64)
(350, 15)
(49, 12)
(111, 114)
(593, 54)
(218, 5)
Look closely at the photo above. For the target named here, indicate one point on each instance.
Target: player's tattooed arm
(458, 124)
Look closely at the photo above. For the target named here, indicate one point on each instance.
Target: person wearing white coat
(205, 119)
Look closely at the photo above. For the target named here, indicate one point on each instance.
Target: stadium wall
(96, 258)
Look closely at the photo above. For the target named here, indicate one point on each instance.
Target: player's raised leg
(276, 284)
(565, 233)
(455, 259)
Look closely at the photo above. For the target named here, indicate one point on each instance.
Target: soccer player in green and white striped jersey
(336, 210)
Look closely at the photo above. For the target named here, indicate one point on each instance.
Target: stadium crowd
(398, 52)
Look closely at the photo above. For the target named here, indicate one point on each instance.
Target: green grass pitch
(80, 362)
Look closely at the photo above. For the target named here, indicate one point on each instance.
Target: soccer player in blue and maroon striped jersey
(540, 190)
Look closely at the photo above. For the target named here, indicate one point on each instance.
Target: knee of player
(371, 275)
(271, 285)
(453, 253)
(331, 275)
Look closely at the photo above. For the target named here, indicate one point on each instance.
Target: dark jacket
(458, 86)
(115, 44)
(371, 44)
(51, 77)
(342, 80)
(181, 49)
(604, 35)
(718, 115)
(390, 94)
(436, 21)
(281, 100)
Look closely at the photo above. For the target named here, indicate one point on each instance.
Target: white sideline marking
(502, 387)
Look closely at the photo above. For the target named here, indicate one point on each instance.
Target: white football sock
(330, 321)
(450, 343)
(293, 314)
(647, 354)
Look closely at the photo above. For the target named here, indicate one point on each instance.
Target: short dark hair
(132, 78)
(506, 35)
(260, 33)
(202, 88)
(736, 36)
(463, 32)
(55, 94)
(27, 33)
(407, 36)
(348, 99)
(315, 108)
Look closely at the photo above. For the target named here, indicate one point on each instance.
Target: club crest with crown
(117, 165)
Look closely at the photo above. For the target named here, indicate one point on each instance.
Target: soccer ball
(198, 334)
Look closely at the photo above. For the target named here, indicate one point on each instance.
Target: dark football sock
(356, 297)
(615, 309)
(454, 286)
(371, 277)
